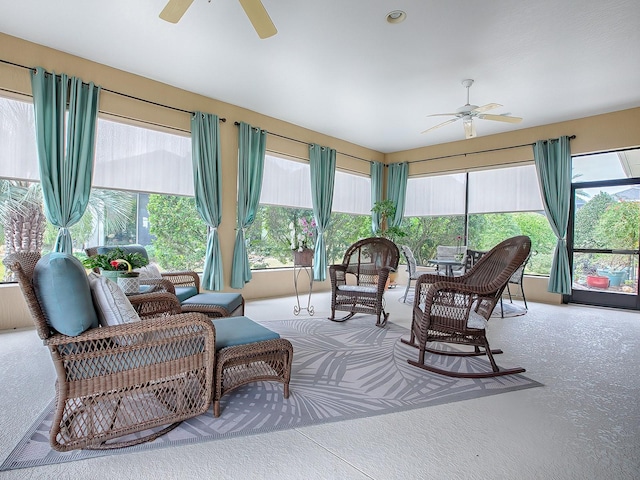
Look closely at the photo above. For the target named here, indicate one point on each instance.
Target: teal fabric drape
(322, 161)
(397, 190)
(377, 176)
(66, 161)
(207, 185)
(553, 164)
(252, 144)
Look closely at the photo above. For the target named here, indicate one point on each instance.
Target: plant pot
(129, 283)
(303, 258)
(112, 275)
(615, 278)
(597, 281)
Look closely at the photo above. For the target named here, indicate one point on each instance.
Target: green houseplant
(387, 209)
(116, 260)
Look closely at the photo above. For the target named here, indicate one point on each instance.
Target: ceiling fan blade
(500, 118)
(442, 114)
(174, 10)
(469, 128)
(484, 108)
(442, 124)
(259, 18)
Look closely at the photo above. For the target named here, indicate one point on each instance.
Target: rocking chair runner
(456, 309)
(358, 284)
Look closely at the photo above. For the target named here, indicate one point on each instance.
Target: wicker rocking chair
(114, 381)
(359, 282)
(456, 309)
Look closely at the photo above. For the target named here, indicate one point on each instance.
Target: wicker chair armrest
(138, 332)
(155, 304)
(186, 278)
(337, 273)
(160, 285)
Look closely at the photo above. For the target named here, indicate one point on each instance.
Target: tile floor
(584, 423)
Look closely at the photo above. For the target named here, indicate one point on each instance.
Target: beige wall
(598, 133)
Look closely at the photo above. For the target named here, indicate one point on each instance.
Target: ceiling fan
(468, 112)
(264, 27)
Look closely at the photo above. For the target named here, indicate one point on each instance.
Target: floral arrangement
(458, 254)
(304, 235)
(116, 260)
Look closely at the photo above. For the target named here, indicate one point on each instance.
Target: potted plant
(387, 209)
(302, 238)
(117, 264)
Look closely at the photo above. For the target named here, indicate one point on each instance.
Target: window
(142, 192)
(500, 203)
(281, 210)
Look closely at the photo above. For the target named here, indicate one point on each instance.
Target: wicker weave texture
(269, 360)
(443, 305)
(118, 380)
(366, 265)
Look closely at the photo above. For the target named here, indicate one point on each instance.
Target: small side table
(297, 270)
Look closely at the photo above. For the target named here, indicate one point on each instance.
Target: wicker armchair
(359, 282)
(115, 381)
(456, 309)
(185, 284)
(169, 281)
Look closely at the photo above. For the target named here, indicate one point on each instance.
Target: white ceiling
(337, 67)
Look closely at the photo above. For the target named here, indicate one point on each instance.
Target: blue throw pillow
(62, 287)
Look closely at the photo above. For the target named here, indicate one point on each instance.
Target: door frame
(601, 299)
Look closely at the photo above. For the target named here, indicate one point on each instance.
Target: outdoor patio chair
(186, 286)
(117, 385)
(412, 269)
(359, 282)
(517, 279)
(445, 252)
(472, 258)
(455, 310)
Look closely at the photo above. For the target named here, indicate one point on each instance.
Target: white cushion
(150, 271)
(476, 320)
(357, 288)
(112, 305)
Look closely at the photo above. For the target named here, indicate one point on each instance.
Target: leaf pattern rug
(340, 371)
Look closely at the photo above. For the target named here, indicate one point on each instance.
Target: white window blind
(140, 159)
(288, 183)
(436, 195)
(512, 189)
(18, 153)
(352, 194)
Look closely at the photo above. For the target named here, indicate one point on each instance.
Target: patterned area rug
(341, 371)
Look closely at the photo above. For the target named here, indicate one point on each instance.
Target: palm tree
(22, 213)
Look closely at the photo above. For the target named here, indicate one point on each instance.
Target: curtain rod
(480, 151)
(118, 93)
(307, 143)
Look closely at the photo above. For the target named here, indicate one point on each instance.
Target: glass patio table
(447, 264)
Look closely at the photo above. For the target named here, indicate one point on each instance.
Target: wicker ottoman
(214, 305)
(248, 352)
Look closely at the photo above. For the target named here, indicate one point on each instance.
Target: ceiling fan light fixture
(396, 16)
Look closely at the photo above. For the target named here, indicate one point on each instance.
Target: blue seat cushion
(228, 301)
(184, 293)
(62, 287)
(231, 331)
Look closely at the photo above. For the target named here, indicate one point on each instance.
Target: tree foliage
(180, 234)
(587, 219)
